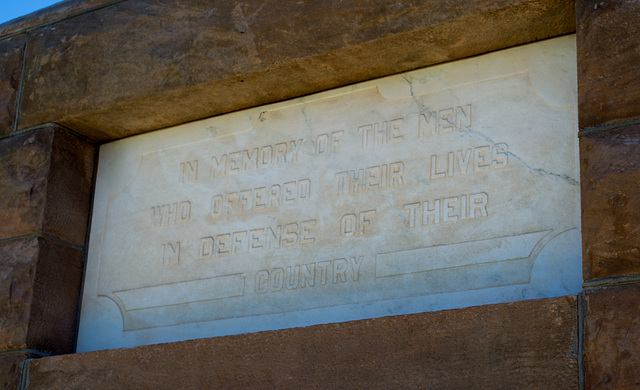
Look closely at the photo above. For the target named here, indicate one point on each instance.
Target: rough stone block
(612, 344)
(18, 262)
(529, 344)
(24, 167)
(11, 54)
(11, 371)
(69, 186)
(56, 294)
(51, 14)
(45, 185)
(610, 177)
(39, 290)
(608, 37)
(142, 65)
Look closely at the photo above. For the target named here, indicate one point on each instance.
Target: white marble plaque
(446, 187)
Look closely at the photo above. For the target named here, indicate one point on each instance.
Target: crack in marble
(539, 171)
(418, 102)
(307, 121)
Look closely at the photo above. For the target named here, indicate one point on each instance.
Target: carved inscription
(433, 209)
(256, 158)
(171, 253)
(309, 275)
(471, 160)
(428, 190)
(449, 209)
(354, 224)
(171, 213)
(327, 144)
(438, 188)
(189, 171)
(260, 198)
(383, 133)
(444, 121)
(371, 178)
(255, 240)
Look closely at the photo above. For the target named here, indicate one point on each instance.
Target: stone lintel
(139, 65)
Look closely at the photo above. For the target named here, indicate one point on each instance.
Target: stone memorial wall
(320, 194)
(450, 186)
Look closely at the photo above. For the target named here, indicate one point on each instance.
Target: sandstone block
(142, 65)
(69, 186)
(39, 290)
(17, 272)
(11, 371)
(45, 182)
(528, 344)
(612, 344)
(11, 53)
(610, 173)
(56, 295)
(57, 11)
(608, 61)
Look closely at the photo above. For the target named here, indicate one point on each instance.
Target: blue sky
(11, 9)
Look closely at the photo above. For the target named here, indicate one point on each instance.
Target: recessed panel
(446, 187)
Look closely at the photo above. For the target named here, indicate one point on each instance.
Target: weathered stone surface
(39, 290)
(527, 344)
(56, 295)
(11, 53)
(45, 182)
(11, 371)
(608, 61)
(69, 186)
(612, 342)
(24, 167)
(143, 65)
(18, 262)
(610, 180)
(56, 12)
